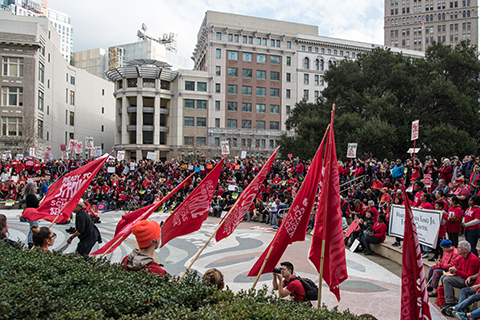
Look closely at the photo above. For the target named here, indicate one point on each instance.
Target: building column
(156, 120)
(139, 114)
(125, 136)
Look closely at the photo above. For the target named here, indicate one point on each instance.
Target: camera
(277, 270)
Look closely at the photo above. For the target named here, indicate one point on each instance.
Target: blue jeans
(463, 301)
(30, 234)
(273, 218)
(476, 314)
(472, 237)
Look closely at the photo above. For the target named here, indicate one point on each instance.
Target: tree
(378, 96)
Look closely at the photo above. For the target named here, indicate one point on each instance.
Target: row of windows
(250, 39)
(440, 5)
(260, 108)
(440, 28)
(453, 38)
(247, 73)
(318, 80)
(12, 126)
(247, 124)
(259, 143)
(13, 67)
(190, 122)
(328, 51)
(248, 57)
(190, 104)
(440, 16)
(201, 141)
(247, 90)
(190, 86)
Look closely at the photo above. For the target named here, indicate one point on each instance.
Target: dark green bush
(55, 286)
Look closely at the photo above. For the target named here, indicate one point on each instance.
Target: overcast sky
(102, 23)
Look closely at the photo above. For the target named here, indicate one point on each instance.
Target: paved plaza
(370, 288)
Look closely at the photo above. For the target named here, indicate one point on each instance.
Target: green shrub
(55, 286)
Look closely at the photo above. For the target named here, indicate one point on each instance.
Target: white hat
(81, 203)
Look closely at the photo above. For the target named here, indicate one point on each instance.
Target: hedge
(38, 285)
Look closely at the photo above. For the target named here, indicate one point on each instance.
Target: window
(305, 94)
(189, 121)
(217, 141)
(71, 118)
(72, 97)
(231, 106)
(202, 86)
(261, 58)
(218, 53)
(272, 43)
(316, 94)
(287, 109)
(289, 61)
(12, 96)
(288, 77)
(41, 72)
(217, 122)
(217, 105)
(219, 36)
(306, 63)
(232, 55)
(233, 72)
(274, 109)
(13, 67)
(272, 143)
(306, 78)
(231, 123)
(246, 124)
(322, 64)
(261, 74)
(232, 89)
(11, 126)
(40, 100)
(201, 141)
(217, 87)
(218, 70)
(260, 108)
(275, 59)
(264, 41)
(201, 122)
(274, 125)
(287, 92)
(188, 141)
(235, 38)
(246, 107)
(289, 44)
(103, 110)
(274, 92)
(246, 56)
(230, 37)
(250, 40)
(202, 104)
(260, 125)
(72, 80)
(317, 81)
(322, 80)
(190, 85)
(261, 91)
(247, 73)
(247, 90)
(189, 103)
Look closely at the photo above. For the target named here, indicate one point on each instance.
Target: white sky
(102, 23)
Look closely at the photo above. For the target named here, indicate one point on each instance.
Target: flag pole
(51, 224)
(324, 225)
(208, 241)
(263, 267)
(113, 245)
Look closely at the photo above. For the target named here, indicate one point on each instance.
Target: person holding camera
(284, 282)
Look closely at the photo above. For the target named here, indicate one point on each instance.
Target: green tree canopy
(378, 96)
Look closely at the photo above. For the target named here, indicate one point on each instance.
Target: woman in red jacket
(377, 235)
(471, 222)
(454, 223)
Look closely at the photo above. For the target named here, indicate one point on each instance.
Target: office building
(416, 24)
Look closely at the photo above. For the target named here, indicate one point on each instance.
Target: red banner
(294, 226)
(190, 214)
(133, 216)
(329, 214)
(244, 202)
(62, 196)
(414, 298)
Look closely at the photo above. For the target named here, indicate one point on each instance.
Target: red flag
(329, 214)
(20, 167)
(132, 216)
(190, 214)
(62, 196)
(414, 289)
(294, 226)
(244, 201)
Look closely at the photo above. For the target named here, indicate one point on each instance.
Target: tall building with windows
(46, 102)
(415, 24)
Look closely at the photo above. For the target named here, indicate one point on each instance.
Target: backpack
(311, 289)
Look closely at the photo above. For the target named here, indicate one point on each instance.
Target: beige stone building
(415, 24)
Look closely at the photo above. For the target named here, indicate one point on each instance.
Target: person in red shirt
(287, 284)
(426, 201)
(147, 234)
(454, 223)
(417, 187)
(471, 222)
(377, 235)
(441, 206)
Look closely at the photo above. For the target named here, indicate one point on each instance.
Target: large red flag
(244, 201)
(329, 213)
(132, 216)
(62, 196)
(414, 289)
(190, 214)
(294, 226)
